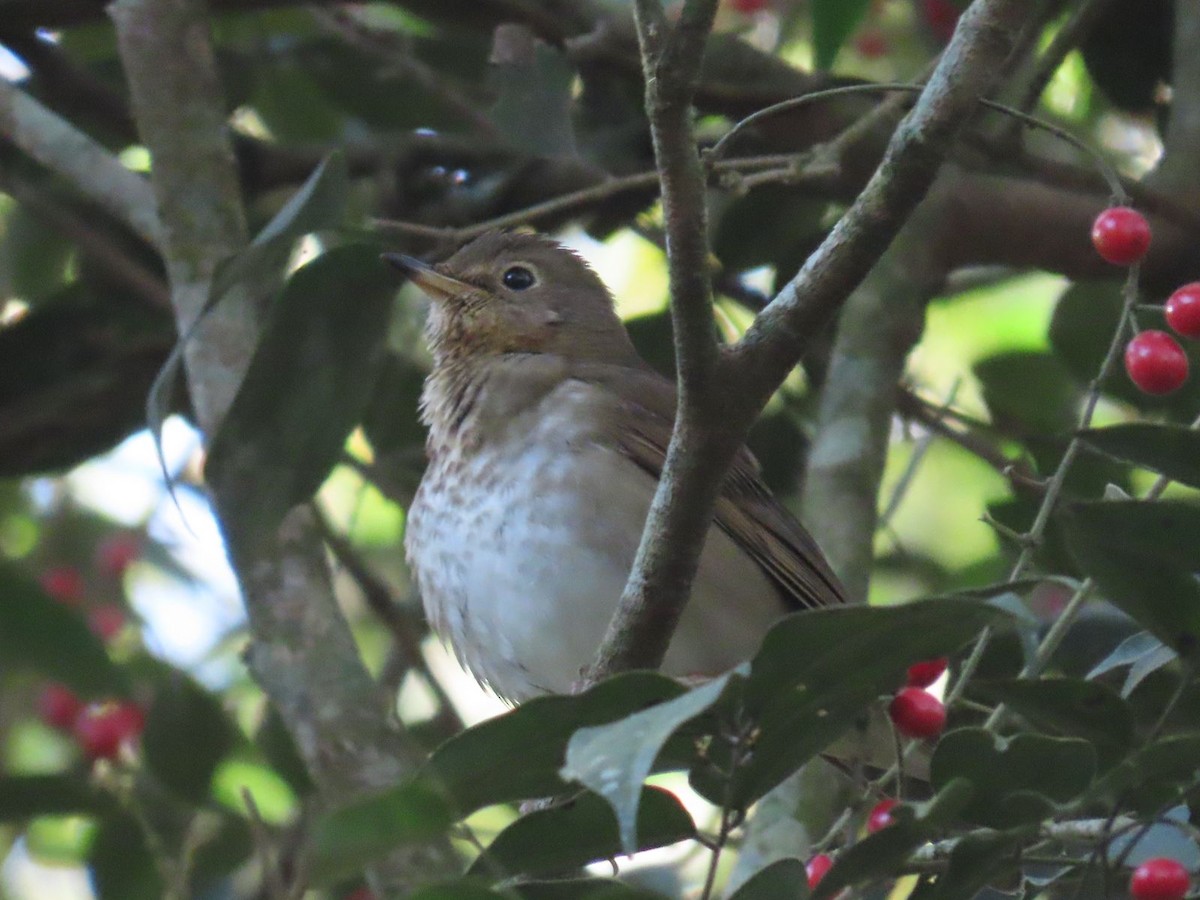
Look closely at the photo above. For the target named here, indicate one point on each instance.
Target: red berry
(102, 729)
(924, 673)
(1159, 879)
(880, 816)
(1121, 235)
(871, 44)
(1183, 310)
(106, 621)
(1156, 363)
(817, 867)
(916, 713)
(942, 17)
(58, 706)
(116, 552)
(64, 584)
(749, 7)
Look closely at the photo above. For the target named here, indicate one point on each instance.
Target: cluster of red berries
(67, 585)
(1155, 361)
(749, 7)
(1155, 879)
(100, 729)
(914, 711)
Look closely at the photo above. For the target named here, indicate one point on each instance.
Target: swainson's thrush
(547, 435)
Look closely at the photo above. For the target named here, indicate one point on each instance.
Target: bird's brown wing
(643, 415)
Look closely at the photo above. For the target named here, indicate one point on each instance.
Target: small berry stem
(1053, 488)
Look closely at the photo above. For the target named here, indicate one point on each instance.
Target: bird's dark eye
(518, 278)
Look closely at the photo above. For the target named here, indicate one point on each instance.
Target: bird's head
(509, 293)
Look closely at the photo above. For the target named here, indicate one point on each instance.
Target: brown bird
(547, 435)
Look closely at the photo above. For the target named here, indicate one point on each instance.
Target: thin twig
(914, 462)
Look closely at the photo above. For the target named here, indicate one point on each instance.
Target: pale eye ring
(518, 278)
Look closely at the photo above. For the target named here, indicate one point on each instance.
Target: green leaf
(33, 256)
(40, 634)
(319, 204)
(1170, 450)
(833, 22)
(391, 422)
(281, 752)
(819, 671)
(1070, 707)
(784, 879)
(26, 796)
(462, 889)
(347, 839)
(517, 755)
(881, 853)
(1153, 775)
(1030, 392)
(306, 388)
(583, 889)
(533, 84)
(121, 864)
(613, 760)
(1143, 556)
(187, 733)
(1016, 780)
(580, 831)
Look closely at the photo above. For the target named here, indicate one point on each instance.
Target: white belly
(524, 580)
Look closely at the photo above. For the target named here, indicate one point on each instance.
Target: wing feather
(758, 523)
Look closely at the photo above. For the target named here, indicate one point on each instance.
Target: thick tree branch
(658, 586)
(879, 325)
(1179, 170)
(96, 173)
(302, 651)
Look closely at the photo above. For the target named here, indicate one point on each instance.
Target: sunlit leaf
(615, 759)
(517, 756)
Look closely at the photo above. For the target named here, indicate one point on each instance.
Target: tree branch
(710, 428)
(302, 652)
(94, 172)
(1177, 170)
(657, 590)
(879, 325)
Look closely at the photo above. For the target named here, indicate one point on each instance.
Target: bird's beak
(427, 278)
